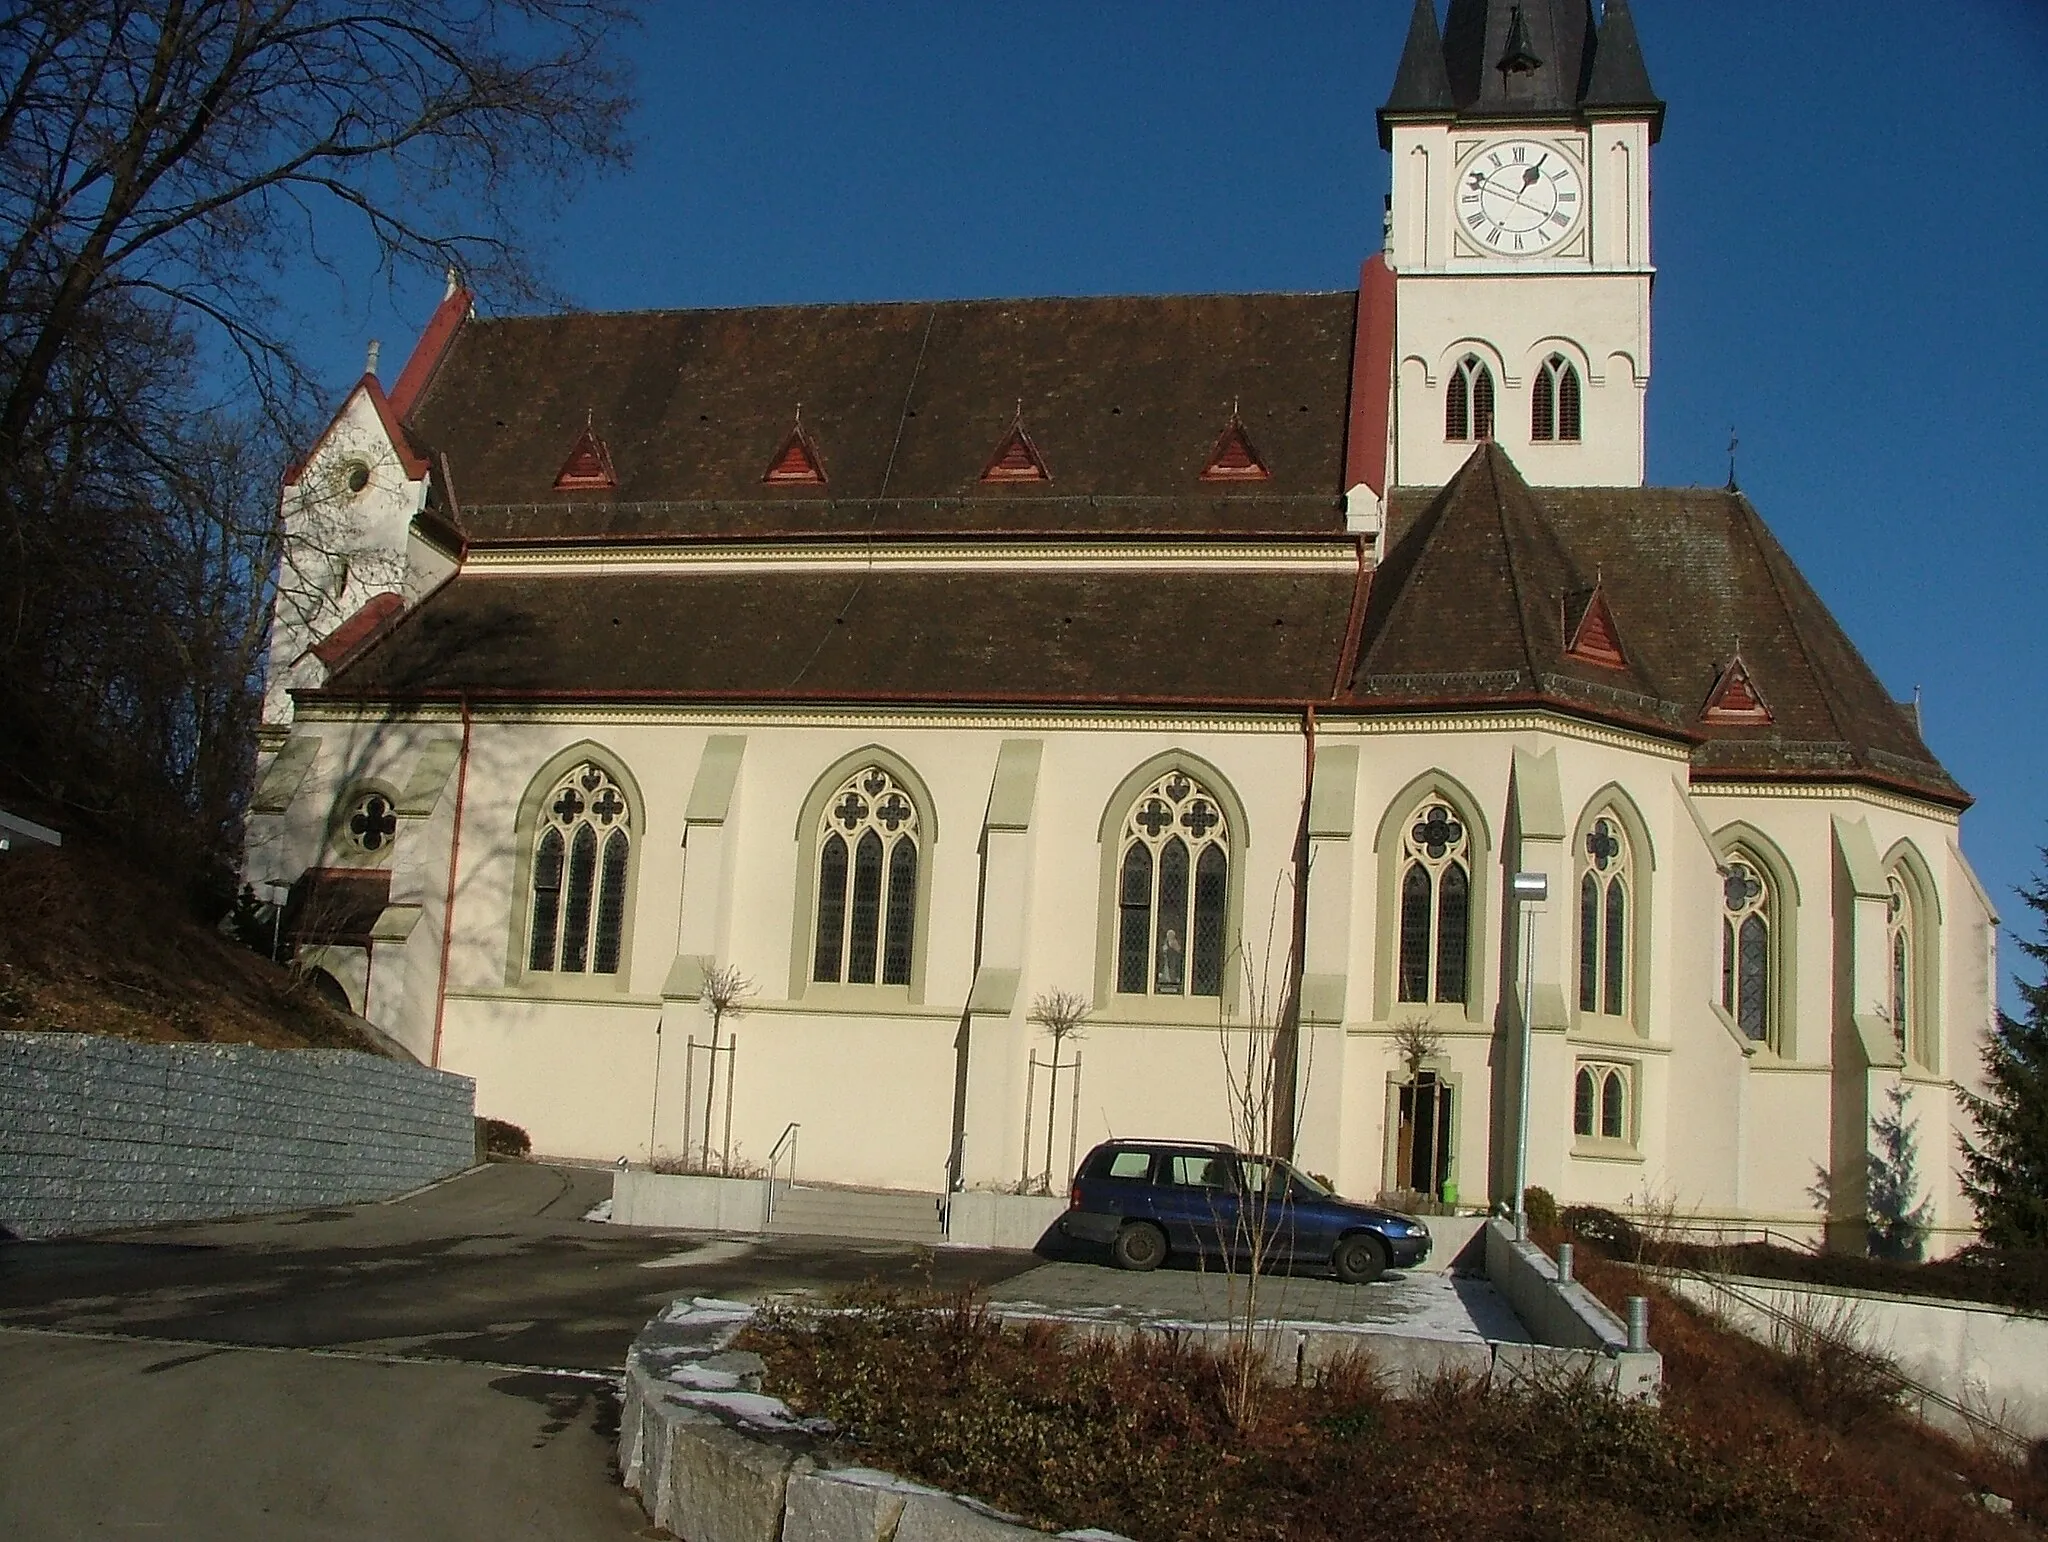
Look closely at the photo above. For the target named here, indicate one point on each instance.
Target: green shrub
(1541, 1208)
(504, 1139)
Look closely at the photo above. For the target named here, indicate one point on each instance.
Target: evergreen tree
(1898, 1225)
(2007, 1173)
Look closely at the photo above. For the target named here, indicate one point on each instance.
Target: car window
(1197, 1170)
(1129, 1164)
(1305, 1187)
(1258, 1173)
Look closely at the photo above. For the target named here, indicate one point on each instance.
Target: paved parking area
(1415, 1305)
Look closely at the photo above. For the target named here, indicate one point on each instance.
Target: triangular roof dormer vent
(797, 463)
(1234, 459)
(1016, 458)
(1735, 698)
(589, 465)
(1594, 638)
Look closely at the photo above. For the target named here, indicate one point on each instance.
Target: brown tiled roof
(1123, 396)
(885, 636)
(1472, 604)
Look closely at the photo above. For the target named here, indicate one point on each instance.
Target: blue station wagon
(1147, 1200)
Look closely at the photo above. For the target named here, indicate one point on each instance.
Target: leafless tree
(1063, 1015)
(167, 168)
(1416, 1042)
(726, 994)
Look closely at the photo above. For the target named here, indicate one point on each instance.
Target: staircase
(885, 1215)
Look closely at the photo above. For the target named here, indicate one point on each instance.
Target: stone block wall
(98, 1133)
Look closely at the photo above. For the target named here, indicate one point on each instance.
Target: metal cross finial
(1733, 444)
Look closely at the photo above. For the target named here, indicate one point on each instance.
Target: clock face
(1519, 197)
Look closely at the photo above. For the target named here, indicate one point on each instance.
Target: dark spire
(1620, 79)
(1420, 85)
(1520, 57)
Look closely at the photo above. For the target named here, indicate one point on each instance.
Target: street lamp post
(278, 887)
(1529, 890)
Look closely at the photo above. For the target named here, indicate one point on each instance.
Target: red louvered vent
(1016, 459)
(589, 464)
(1233, 459)
(797, 462)
(1735, 698)
(1597, 640)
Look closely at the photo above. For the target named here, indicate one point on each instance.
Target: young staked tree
(168, 170)
(1064, 1016)
(2006, 1168)
(726, 994)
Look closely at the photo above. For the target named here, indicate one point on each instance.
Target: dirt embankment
(89, 943)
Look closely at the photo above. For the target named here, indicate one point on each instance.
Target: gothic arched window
(1554, 403)
(1600, 1102)
(1172, 891)
(581, 856)
(1899, 927)
(1436, 906)
(867, 883)
(1747, 947)
(1605, 918)
(1468, 405)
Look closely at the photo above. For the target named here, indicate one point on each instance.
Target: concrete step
(880, 1214)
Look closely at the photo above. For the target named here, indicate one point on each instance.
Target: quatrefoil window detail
(1601, 845)
(867, 878)
(1606, 916)
(1740, 887)
(1173, 891)
(372, 823)
(1438, 832)
(580, 864)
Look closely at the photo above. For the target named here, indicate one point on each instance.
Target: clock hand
(1535, 173)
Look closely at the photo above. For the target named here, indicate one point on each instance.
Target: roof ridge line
(1507, 547)
(1768, 549)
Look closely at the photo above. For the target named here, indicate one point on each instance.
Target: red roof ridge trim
(455, 308)
(1234, 459)
(1016, 458)
(335, 648)
(1372, 379)
(1735, 698)
(589, 464)
(797, 462)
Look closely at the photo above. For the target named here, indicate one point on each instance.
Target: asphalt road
(434, 1367)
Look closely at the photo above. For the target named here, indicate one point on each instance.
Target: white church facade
(919, 660)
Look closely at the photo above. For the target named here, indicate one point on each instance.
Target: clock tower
(1519, 239)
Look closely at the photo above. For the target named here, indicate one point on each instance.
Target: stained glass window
(1585, 1098)
(1600, 1096)
(867, 883)
(1900, 928)
(1173, 891)
(578, 915)
(371, 825)
(1606, 869)
(1436, 906)
(1746, 948)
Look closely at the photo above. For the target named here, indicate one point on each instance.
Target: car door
(1270, 1212)
(1196, 1201)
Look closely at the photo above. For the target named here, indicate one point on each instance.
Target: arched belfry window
(1554, 403)
(1173, 891)
(1468, 405)
(581, 857)
(867, 883)
(1606, 914)
(1899, 926)
(1436, 906)
(1747, 947)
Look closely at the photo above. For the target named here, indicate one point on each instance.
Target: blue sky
(1851, 227)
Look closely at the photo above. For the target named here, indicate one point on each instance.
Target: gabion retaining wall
(98, 1133)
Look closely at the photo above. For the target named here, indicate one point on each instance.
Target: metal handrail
(786, 1140)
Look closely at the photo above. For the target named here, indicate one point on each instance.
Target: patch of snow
(755, 1408)
(601, 1211)
(702, 1378)
(705, 1309)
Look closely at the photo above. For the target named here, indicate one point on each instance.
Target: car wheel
(1360, 1260)
(1139, 1246)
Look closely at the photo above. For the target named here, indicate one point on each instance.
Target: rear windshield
(1123, 1163)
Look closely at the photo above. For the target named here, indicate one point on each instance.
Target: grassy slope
(91, 944)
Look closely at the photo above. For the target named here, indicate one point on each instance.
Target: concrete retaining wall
(1990, 1364)
(981, 1220)
(688, 1202)
(1563, 1314)
(98, 1133)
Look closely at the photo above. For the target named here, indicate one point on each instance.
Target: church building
(1221, 660)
